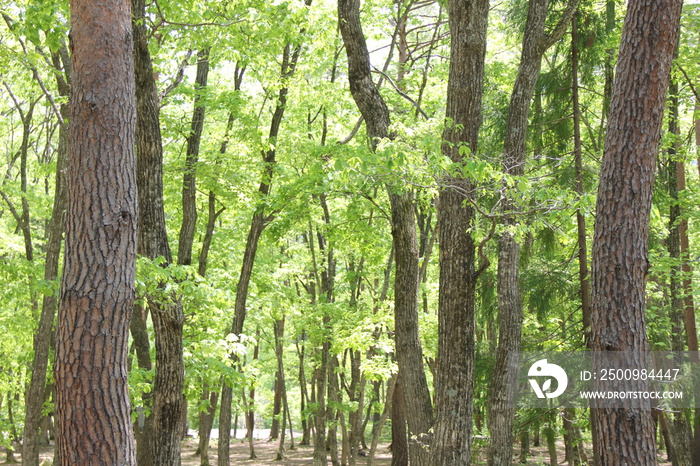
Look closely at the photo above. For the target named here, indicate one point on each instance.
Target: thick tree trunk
(454, 385)
(620, 261)
(97, 289)
(399, 440)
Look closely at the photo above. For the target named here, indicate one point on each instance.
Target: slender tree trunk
(189, 181)
(320, 454)
(379, 423)
(279, 353)
(585, 288)
(206, 418)
(305, 427)
(454, 385)
(250, 412)
(510, 312)
(258, 223)
(409, 353)
(97, 288)
(622, 219)
(551, 444)
(163, 446)
(279, 388)
(334, 399)
(680, 427)
(688, 305)
(42, 340)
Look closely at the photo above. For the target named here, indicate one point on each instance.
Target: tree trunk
(574, 441)
(334, 400)
(279, 354)
(97, 288)
(167, 316)
(189, 179)
(620, 261)
(688, 305)
(524, 445)
(42, 340)
(454, 385)
(258, 223)
(279, 385)
(409, 353)
(399, 441)
(206, 418)
(510, 312)
(681, 432)
(551, 444)
(305, 426)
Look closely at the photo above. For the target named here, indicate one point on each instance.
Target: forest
(316, 231)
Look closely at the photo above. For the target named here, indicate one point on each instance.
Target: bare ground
(266, 453)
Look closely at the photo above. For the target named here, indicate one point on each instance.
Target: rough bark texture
(409, 353)
(510, 312)
(42, 340)
(454, 384)
(163, 448)
(620, 261)
(97, 289)
(399, 439)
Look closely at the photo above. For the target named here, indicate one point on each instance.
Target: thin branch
(10, 24)
(192, 25)
(561, 27)
(688, 80)
(401, 93)
(353, 132)
(178, 77)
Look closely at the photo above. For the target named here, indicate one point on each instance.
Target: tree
(454, 384)
(619, 259)
(536, 41)
(409, 352)
(42, 340)
(97, 289)
(260, 219)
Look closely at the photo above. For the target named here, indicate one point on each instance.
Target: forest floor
(267, 451)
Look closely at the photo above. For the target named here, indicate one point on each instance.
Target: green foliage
(330, 188)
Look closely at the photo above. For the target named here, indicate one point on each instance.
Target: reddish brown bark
(620, 258)
(97, 290)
